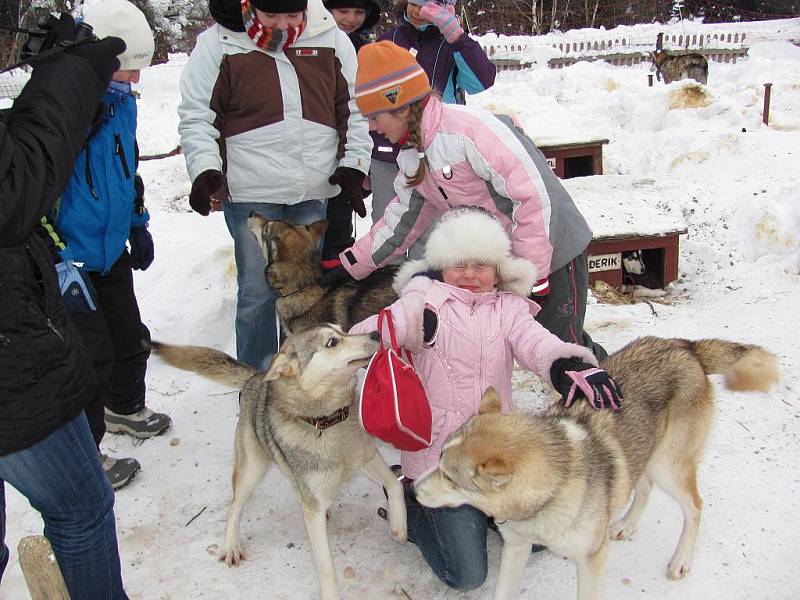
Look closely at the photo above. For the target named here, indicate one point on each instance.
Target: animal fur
(313, 376)
(671, 67)
(560, 478)
(293, 271)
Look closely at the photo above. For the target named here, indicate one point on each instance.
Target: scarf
(269, 38)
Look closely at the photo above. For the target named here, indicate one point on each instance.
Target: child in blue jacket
(102, 208)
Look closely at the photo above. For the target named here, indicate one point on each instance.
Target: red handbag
(394, 405)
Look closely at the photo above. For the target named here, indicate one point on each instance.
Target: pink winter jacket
(478, 338)
(476, 158)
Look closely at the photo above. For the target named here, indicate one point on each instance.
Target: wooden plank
(40, 568)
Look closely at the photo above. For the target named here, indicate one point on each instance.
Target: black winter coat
(45, 377)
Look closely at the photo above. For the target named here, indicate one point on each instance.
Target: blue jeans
(256, 329)
(452, 540)
(62, 478)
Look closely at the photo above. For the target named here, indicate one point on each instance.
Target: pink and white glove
(443, 17)
(573, 378)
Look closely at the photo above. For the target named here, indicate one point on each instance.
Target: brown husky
(559, 479)
(670, 67)
(298, 416)
(293, 271)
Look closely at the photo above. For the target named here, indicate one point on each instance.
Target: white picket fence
(631, 45)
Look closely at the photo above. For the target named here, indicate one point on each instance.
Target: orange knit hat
(388, 79)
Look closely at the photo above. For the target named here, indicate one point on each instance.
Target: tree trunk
(40, 568)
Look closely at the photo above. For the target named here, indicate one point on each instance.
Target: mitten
(334, 277)
(443, 17)
(540, 292)
(204, 187)
(573, 378)
(76, 290)
(350, 181)
(142, 251)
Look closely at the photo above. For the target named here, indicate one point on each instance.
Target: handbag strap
(385, 316)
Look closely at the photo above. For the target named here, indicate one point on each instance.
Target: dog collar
(322, 423)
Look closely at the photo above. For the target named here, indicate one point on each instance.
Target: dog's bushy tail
(745, 367)
(207, 362)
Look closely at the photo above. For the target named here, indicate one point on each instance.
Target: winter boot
(142, 424)
(119, 471)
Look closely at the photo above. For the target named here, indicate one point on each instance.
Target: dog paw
(232, 555)
(677, 569)
(399, 535)
(618, 531)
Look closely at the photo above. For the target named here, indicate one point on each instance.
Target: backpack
(394, 405)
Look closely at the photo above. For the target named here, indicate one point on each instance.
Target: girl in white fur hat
(463, 311)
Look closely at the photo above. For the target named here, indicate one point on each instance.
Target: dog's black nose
(375, 336)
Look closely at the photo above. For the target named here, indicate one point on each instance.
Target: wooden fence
(718, 43)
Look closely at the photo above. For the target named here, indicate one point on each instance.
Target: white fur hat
(471, 234)
(121, 18)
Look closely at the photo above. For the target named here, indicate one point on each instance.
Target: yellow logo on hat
(392, 95)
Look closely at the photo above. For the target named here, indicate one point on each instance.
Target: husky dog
(298, 415)
(558, 479)
(681, 66)
(293, 271)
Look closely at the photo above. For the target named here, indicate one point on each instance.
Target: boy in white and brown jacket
(268, 123)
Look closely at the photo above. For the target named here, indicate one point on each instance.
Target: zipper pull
(472, 309)
(54, 330)
(442, 191)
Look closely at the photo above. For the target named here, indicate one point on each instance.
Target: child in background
(268, 123)
(356, 18)
(462, 311)
(458, 155)
(455, 64)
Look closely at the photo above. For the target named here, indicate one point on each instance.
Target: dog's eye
(332, 342)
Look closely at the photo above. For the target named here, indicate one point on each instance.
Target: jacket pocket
(119, 151)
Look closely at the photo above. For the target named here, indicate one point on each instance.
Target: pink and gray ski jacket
(477, 340)
(476, 158)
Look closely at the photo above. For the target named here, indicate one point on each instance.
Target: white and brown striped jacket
(276, 123)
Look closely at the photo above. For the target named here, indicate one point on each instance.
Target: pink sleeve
(533, 347)
(407, 318)
(403, 222)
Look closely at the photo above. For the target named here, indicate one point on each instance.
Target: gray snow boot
(119, 471)
(142, 424)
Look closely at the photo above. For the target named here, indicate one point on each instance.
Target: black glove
(142, 251)
(101, 55)
(430, 323)
(573, 378)
(204, 187)
(333, 277)
(350, 181)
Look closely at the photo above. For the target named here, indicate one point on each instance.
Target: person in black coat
(46, 449)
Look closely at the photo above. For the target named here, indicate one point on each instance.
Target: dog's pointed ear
(496, 471)
(255, 223)
(490, 402)
(283, 365)
(318, 229)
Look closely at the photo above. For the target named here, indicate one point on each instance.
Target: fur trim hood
(469, 234)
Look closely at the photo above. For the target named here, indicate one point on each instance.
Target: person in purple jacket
(455, 65)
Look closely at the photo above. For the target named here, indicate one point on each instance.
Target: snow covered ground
(712, 167)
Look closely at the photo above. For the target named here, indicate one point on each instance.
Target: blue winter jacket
(97, 208)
